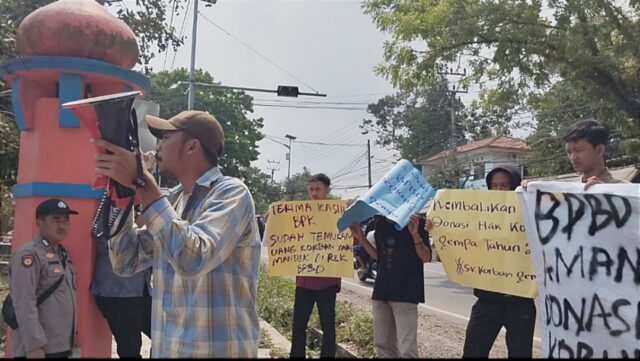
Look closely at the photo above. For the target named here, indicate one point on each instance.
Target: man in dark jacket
(494, 310)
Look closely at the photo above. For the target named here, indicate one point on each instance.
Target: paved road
(442, 296)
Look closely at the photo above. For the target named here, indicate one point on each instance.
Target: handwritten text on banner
(586, 251)
(481, 241)
(302, 239)
(400, 193)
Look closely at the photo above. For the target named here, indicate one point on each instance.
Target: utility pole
(291, 138)
(452, 104)
(194, 34)
(369, 160)
(272, 168)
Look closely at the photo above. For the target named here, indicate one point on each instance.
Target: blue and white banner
(402, 192)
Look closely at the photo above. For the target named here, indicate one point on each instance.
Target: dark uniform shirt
(400, 275)
(34, 268)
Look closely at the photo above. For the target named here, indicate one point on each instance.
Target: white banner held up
(586, 252)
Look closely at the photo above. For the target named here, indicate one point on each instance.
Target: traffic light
(288, 91)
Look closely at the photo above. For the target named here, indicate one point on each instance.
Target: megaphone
(112, 118)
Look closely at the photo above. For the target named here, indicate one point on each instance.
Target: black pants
(488, 316)
(127, 317)
(302, 308)
(64, 354)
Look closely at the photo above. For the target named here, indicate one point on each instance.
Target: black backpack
(9, 313)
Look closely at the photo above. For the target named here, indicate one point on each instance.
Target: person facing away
(202, 241)
(494, 310)
(125, 302)
(320, 291)
(399, 284)
(48, 329)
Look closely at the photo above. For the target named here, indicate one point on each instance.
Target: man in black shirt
(399, 285)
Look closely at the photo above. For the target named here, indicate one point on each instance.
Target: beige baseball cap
(198, 124)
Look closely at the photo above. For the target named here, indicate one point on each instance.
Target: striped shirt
(205, 270)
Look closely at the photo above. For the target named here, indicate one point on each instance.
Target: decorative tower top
(77, 28)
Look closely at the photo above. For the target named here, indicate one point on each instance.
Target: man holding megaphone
(202, 241)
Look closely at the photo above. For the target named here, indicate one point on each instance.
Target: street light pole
(291, 138)
(193, 54)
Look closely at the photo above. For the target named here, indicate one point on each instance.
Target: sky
(330, 47)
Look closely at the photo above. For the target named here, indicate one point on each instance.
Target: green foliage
(415, 123)
(9, 146)
(447, 174)
(558, 108)
(275, 301)
(229, 107)
(515, 46)
(352, 326)
(276, 296)
(264, 193)
(487, 117)
(7, 208)
(295, 187)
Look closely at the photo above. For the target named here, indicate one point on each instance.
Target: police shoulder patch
(27, 260)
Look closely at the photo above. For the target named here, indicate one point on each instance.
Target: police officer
(47, 330)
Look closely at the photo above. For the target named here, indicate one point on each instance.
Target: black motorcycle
(370, 269)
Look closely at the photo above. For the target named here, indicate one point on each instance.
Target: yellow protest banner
(481, 241)
(303, 239)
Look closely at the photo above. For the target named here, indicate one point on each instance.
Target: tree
(150, 20)
(448, 174)
(264, 193)
(9, 144)
(229, 107)
(414, 123)
(7, 208)
(558, 108)
(516, 45)
(486, 117)
(295, 188)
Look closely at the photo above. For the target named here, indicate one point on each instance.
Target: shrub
(276, 296)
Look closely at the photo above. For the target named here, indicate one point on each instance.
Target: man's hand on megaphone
(119, 165)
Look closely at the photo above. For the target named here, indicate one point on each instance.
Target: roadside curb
(341, 350)
(277, 340)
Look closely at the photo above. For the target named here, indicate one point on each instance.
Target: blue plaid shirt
(205, 270)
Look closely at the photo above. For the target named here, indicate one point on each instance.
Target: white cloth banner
(586, 251)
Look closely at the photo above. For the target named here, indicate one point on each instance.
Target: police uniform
(34, 268)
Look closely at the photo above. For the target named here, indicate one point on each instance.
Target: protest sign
(586, 252)
(400, 193)
(303, 240)
(481, 241)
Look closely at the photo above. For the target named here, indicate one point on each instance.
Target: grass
(4, 291)
(275, 305)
